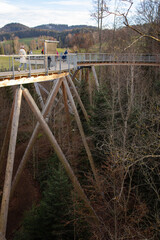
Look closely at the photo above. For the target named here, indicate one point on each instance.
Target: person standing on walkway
(23, 59)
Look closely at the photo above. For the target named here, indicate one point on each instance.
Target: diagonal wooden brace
(78, 97)
(33, 138)
(58, 151)
(82, 132)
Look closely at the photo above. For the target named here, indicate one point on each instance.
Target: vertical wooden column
(80, 75)
(45, 57)
(67, 112)
(81, 132)
(33, 138)
(58, 151)
(6, 138)
(95, 78)
(10, 162)
(90, 87)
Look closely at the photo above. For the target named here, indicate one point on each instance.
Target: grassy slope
(6, 63)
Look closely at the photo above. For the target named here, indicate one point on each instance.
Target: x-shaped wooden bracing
(9, 185)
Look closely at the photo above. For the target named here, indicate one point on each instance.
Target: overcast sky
(36, 12)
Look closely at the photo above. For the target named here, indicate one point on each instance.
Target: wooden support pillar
(80, 75)
(95, 78)
(81, 132)
(45, 90)
(45, 57)
(69, 107)
(58, 151)
(74, 74)
(33, 138)
(90, 87)
(67, 112)
(6, 138)
(2, 237)
(39, 95)
(78, 98)
(10, 162)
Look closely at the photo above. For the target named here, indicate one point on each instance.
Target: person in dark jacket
(49, 62)
(64, 57)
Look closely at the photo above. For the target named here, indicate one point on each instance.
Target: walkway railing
(9, 64)
(108, 57)
(36, 63)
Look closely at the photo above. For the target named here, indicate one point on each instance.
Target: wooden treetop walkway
(39, 67)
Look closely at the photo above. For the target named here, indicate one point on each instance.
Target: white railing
(9, 64)
(108, 57)
(44, 63)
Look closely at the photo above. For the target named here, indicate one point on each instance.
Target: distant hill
(14, 27)
(62, 27)
(58, 31)
(55, 27)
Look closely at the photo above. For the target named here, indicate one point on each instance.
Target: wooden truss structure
(62, 84)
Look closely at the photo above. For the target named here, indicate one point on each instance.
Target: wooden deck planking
(33, 79)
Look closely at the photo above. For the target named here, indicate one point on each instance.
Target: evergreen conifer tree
(52, 218)
(100, 120)
(85, 99)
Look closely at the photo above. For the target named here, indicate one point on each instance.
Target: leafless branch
(133, 42)
(126, 22)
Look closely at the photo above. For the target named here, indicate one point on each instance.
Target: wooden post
(45, 90)
(39, 95)
(10, 162)
(78, 98)
(2, 237)
(6, 138)
(69, 107)
(95, 77)
(80, 75)
(45, 57)
(90, 87)
(58, 150)
(74, 74)
(67, 112)
(81, 132)
(33, 138)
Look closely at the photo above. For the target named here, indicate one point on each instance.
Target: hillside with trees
(13, 27)
(58, 31)
(62, 27)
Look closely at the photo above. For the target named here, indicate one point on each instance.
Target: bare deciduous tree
(148, 12)
(99, 13)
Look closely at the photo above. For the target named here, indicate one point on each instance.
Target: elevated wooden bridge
(38, 65)
(58, 72)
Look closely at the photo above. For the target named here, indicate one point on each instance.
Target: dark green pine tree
(53, 217)
(100, 120)
(85, 100)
